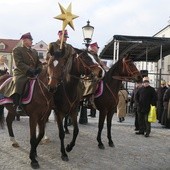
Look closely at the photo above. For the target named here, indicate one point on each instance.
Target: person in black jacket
(133, 104)
(145, 97)
(160, 93)
(166, 114)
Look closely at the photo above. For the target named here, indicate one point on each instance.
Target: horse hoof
(45, 141)
(35, 165)
(15, 145)
(101, 146)
(111, 145)
(68, 148)
(65, 158)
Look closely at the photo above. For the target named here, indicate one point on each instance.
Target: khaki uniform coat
(67, 49)
(121, 107)
(24, 59)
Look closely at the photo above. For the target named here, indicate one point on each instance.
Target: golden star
(66, 16)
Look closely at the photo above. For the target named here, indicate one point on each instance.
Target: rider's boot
(90, 102)
(16, 100)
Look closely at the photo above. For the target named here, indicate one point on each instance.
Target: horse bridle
(85, 66)
(129, 71)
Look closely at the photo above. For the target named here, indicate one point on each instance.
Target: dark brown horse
(123, 70)
(69, 93)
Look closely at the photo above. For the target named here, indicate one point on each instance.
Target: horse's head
(87, 65)
(81, 61)
(55, 70)
(128, 70)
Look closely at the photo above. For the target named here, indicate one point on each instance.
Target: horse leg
(33, 142)
(45, 138)
(75, 133)
(102, 116)
(66, 125)
(59, 118)
(109, 125)
(2, 119)
(9, 120)
(42, 135)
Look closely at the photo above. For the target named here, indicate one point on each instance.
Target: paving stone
(131, 152)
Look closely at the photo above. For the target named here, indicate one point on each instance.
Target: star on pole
(67, 17)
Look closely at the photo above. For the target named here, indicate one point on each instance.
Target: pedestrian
(166, 102)
(160, 93)
(122, 103)
(145, 97)
(27, 65)
(133, 104)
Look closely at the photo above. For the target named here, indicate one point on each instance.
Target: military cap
(26, 36)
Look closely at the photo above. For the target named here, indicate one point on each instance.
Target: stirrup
(18, 109)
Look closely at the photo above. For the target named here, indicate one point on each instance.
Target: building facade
(41, 48)
(6, 47)
(164, 64)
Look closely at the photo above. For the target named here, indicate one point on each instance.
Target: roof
(137, 47)
(9, 45)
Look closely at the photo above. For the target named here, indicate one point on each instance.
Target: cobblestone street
(131, 152)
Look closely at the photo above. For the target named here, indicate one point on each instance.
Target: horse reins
(85, 66)
(114, 97)
(47, 100)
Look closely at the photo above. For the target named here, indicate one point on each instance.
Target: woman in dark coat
(166, 114)
(160, 93)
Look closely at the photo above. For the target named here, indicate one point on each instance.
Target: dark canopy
(141, 48)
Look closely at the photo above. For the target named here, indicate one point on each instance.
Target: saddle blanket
(25, 100)
(99, 90)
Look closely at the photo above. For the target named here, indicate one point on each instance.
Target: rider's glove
(30, 73)
(58, 54)
(37, 71)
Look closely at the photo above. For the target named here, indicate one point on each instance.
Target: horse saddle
(26, 97)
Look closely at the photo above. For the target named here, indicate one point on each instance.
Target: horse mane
(114, 69)
(43, 75)
(79, 51)
(67, 68)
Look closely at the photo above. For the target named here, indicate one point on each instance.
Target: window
(40, 54)
(2, 46)
(163, 66)
(168, 67)
(41, 45)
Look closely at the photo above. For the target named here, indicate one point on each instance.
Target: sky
(109, 18)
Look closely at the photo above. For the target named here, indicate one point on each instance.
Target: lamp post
(87, 34)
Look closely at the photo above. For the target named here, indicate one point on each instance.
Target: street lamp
(87, 33)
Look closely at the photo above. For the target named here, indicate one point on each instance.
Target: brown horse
(123, 70)
(38, 110)
(69, 93)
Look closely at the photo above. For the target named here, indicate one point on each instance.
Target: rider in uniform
(54, 47)
(27, 65)
(90, 85)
